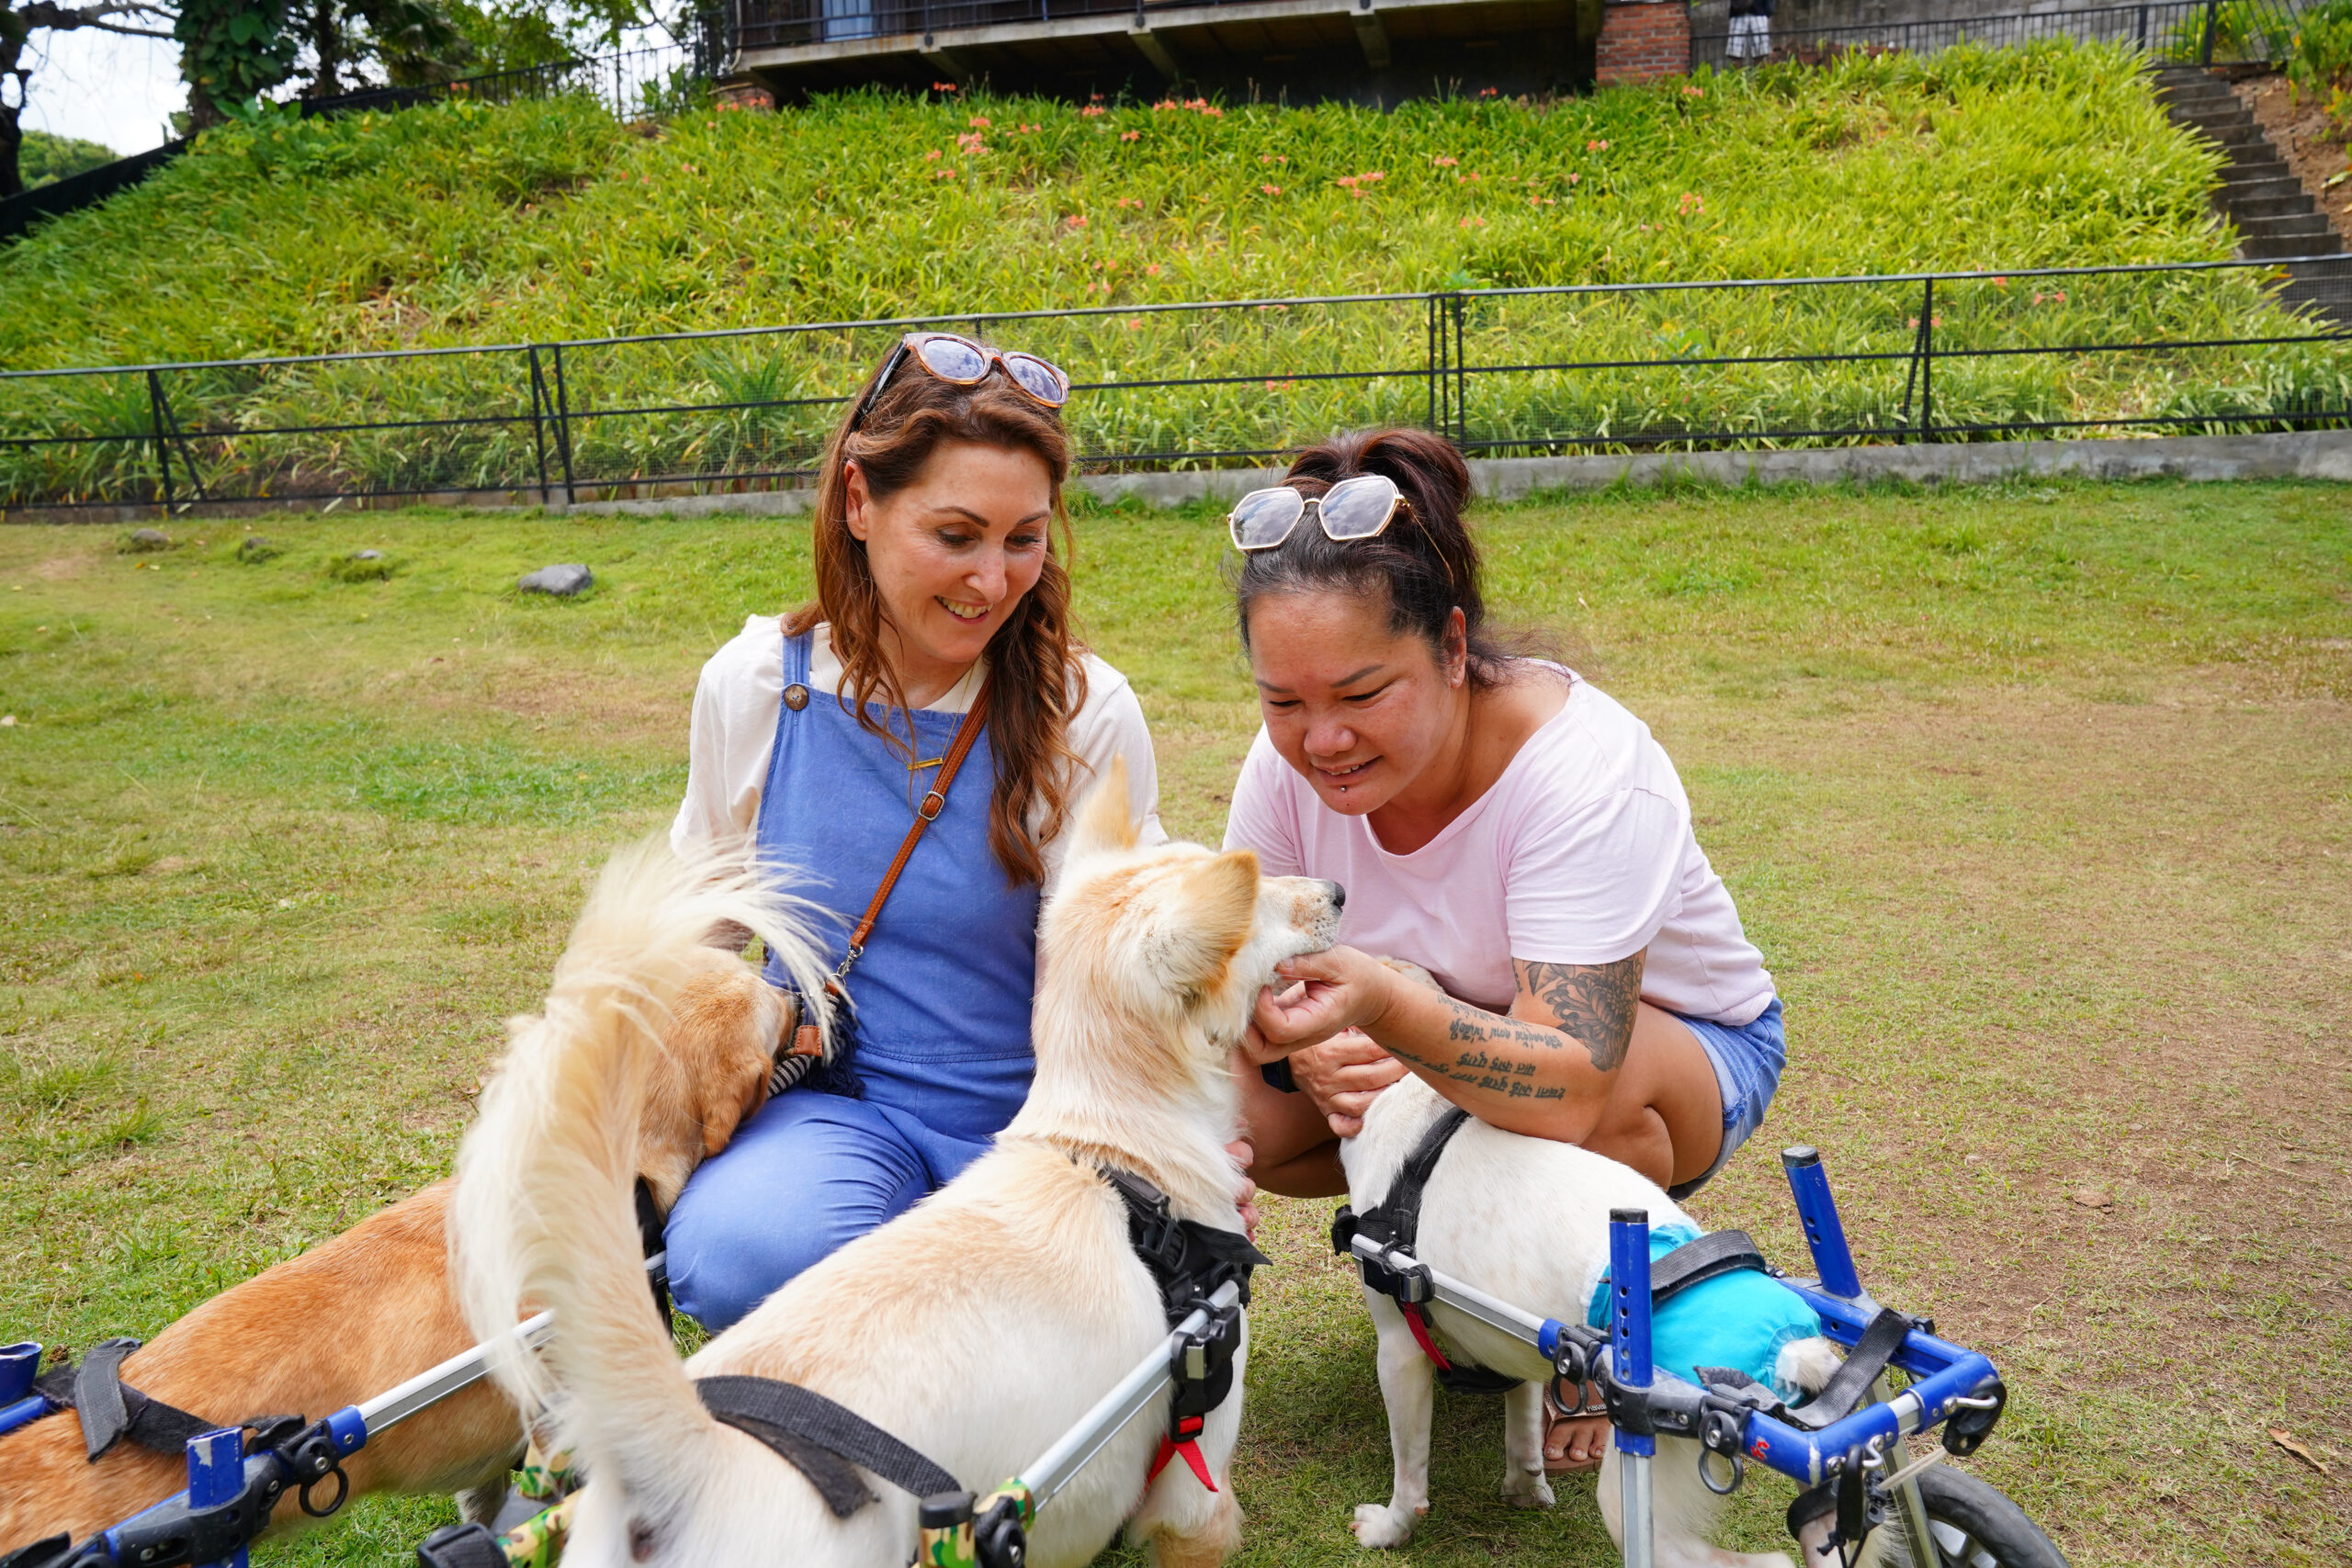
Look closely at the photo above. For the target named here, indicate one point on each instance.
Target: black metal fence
(2208, 348)
(2204, 32)
(786, 24)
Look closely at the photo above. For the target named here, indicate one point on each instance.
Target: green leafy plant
(231, 53)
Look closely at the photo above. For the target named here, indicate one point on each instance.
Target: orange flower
(1272, 190)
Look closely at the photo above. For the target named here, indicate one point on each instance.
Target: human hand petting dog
(1316, 1022)
(1244, 1191)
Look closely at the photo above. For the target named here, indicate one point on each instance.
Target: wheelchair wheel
(1974, 1526)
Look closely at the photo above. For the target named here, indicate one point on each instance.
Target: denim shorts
(1747, 1058)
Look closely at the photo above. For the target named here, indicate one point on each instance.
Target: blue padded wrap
(1739, 1320)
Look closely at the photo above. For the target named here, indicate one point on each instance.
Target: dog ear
(1105, 824)
(1219, 899)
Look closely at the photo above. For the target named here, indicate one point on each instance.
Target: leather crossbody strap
(809, 1040)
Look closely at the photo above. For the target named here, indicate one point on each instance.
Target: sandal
(1562, 1429)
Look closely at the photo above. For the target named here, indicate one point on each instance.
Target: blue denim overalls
(943, 996)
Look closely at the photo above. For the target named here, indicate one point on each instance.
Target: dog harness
(1685, 1261)
(111, 1410)
(826, 1442)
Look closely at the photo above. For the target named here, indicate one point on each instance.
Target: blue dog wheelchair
(1862, 1488)
(1851, 1458)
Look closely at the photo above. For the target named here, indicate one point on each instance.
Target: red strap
(1170, 1448)
(1421, 1335)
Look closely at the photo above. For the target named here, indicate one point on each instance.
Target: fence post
(1429, 362)
(538, 421)
(162, 452)
(2144, 30)
(2212, 9)
(1927, 364)
(563, 426)
(1461, 377)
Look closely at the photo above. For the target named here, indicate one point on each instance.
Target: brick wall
(741, 93)
(1643, 40)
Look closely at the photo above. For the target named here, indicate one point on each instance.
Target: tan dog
(366, 1311)
(977, 1327)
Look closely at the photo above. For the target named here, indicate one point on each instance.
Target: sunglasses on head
(961, 362)
(1359, 508)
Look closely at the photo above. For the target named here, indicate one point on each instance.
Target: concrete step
(2208, 110)
(2236, 139)
(2196, 95)
(2298, 205)
(2258, 245)
(2247, 175)
(2228, 131)
(2286, 224)
(2235, 194)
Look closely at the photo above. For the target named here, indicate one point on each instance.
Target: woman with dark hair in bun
(1494, 819)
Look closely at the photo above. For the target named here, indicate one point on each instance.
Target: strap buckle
(933, 804)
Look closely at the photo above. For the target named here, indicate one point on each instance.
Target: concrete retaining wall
(2316, 455)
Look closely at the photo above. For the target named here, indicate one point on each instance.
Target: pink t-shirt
(1581, 853)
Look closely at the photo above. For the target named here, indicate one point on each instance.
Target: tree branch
(53, 18)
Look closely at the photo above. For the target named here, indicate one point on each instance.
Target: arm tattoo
(1593, 1003)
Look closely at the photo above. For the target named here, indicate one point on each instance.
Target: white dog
(977, 1327)
(1526, 1220)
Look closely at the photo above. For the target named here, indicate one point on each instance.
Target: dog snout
(1339, 895)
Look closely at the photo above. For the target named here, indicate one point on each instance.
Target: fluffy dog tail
(544, 1215)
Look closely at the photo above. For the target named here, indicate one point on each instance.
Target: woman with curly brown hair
(938, 641)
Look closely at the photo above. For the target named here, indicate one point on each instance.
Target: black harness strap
(825, 1441)
(1395, 1220)
(1402, 1208)
(1187, 1259)
(650, 1236)
(1189, 1262)
(111, 1410)
(822, 1439)
(1696, 1262)
(1844, 1392)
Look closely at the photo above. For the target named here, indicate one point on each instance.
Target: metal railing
(2204, 32)
(2187, 348)
(792, 24)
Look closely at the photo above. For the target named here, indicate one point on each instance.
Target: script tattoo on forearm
(1593, 1003)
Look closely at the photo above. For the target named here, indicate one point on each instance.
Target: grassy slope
(468, 224)
(2035, 800)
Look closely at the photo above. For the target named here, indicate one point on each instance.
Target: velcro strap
(1695, 1262)
(822, 1439)
(462, 1546)
(111, 1410)
(1843, 1394)
(44, 1554)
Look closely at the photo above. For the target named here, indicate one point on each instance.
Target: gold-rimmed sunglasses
(960, 362)
(1360, 508)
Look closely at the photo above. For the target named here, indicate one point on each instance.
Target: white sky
(119, 92)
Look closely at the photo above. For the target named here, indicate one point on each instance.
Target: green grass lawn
(2038, 800)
